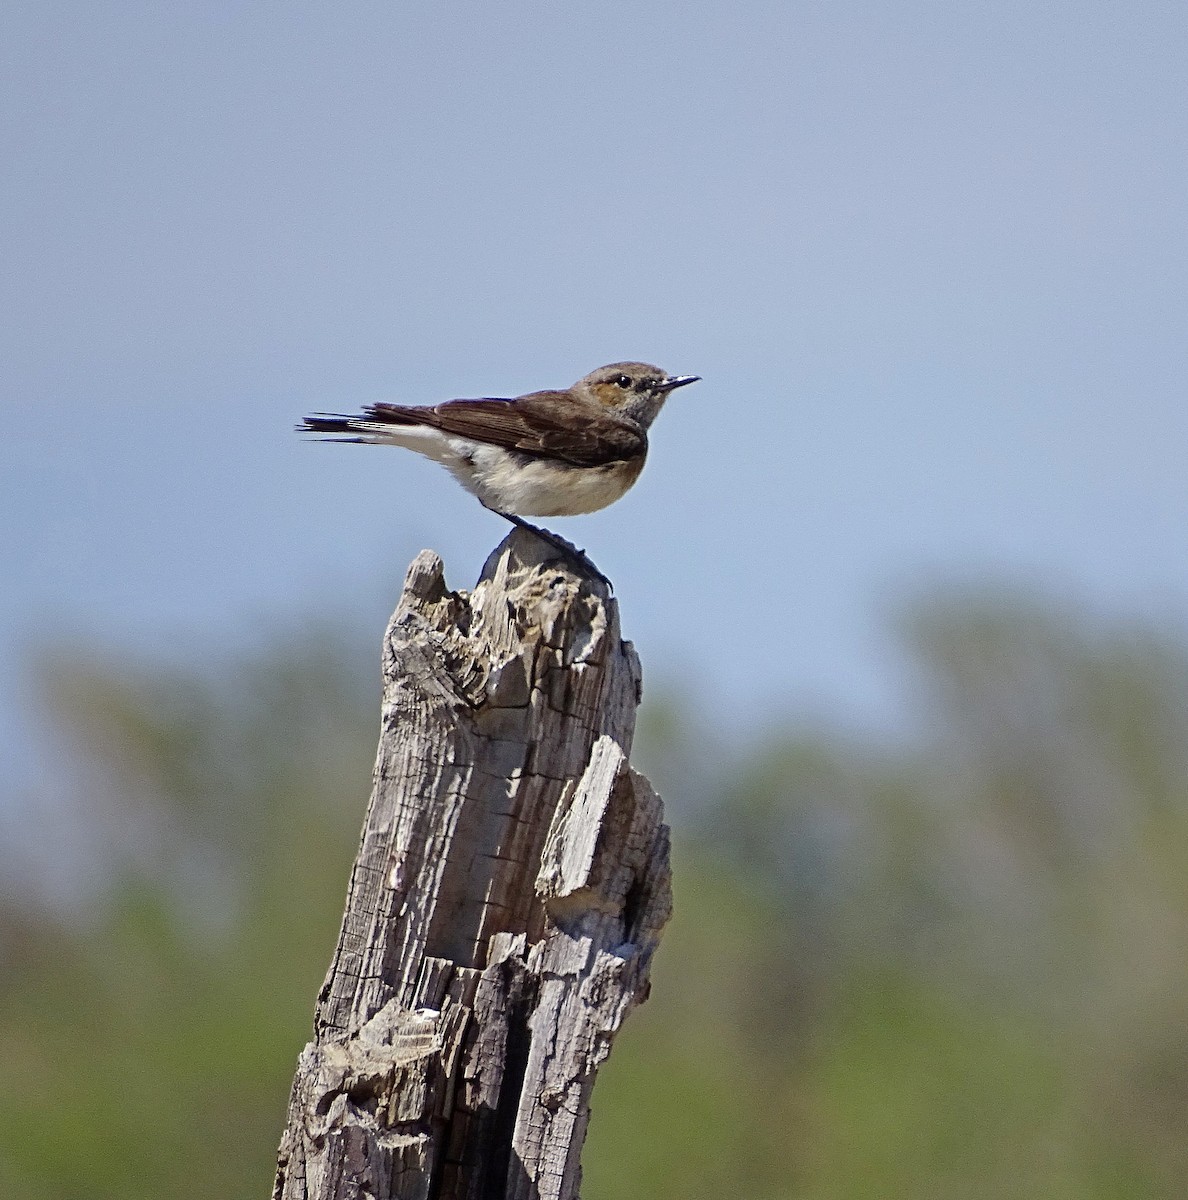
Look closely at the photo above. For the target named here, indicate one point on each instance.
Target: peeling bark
(510, 888)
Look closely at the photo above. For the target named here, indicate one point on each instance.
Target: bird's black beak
(675, 381)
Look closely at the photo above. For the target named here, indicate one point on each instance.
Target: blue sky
(930, 260)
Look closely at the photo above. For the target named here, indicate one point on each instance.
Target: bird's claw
(567, 549)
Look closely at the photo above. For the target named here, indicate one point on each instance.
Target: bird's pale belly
(534, 487)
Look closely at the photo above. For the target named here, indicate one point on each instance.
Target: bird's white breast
(534, 487)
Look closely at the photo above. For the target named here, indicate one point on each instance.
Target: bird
(543, 454)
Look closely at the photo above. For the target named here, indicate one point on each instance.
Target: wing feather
(541, 424)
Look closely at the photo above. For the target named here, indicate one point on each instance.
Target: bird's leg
(557, 542)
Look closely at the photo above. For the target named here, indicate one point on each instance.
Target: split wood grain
(510, 889)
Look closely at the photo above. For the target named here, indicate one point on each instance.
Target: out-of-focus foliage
(956, 971)
(147, 1050)
(958, 968)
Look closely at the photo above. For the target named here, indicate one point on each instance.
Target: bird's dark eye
(623, 381)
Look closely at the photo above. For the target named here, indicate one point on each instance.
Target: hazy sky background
(928, 257)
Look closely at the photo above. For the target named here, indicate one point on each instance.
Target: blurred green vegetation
(955, 967)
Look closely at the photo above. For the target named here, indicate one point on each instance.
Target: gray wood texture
(509, 892)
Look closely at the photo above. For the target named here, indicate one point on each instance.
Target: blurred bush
(955, 968)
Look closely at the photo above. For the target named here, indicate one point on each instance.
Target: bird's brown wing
(542, 424)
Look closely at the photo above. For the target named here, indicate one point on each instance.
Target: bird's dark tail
(374, 419)
(327, 423)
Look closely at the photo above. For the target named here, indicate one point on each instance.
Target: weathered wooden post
(510, 889)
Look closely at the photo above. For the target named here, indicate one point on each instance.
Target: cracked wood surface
(510, 888)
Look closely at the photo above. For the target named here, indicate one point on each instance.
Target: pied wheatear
(544, 454)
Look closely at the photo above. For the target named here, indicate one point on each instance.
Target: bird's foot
(567, 549)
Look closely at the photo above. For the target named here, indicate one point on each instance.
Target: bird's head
(637, 390)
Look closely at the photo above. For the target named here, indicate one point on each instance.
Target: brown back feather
(541, 424)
